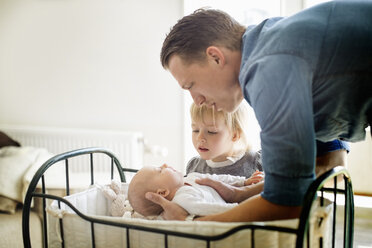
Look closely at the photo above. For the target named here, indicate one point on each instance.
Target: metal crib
(316, 190)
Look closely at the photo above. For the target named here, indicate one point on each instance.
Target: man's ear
(216, 55)
(163, 192)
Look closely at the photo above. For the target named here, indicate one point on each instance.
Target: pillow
(8, 205)
(5, 140)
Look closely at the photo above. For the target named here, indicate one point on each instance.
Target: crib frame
(315, 190)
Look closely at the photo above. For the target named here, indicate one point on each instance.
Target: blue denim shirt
(307, 77)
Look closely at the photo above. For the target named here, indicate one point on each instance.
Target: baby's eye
(195, 131)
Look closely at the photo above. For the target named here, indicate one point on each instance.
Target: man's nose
(198, 99)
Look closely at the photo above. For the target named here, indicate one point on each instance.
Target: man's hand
(172, 211)
(226, 191)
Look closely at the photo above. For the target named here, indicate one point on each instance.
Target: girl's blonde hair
(235, 121)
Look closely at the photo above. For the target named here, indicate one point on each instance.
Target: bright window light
(245, 12)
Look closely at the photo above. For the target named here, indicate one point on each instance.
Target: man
(307, 77)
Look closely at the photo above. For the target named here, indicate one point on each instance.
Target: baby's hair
(136, 196)
(235, 121)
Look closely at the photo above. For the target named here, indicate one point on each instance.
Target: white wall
(359, 165)
(91, 64)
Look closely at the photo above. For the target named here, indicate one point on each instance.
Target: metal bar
(61, 227)
(346, 222)
(334, 212)
(67, 177)
(165, 240)
(252, 238)
(112, 168)
(308, 238)
(128, 242)
(349, 214)
(92, 234)
(91, 170)
(44, 213)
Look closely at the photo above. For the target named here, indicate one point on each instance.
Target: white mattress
(92, 202)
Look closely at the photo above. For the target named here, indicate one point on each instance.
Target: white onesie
(204, 200)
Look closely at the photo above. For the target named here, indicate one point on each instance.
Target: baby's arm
(256, 177)
(228, 179)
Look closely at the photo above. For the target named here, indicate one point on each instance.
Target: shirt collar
(229, 161)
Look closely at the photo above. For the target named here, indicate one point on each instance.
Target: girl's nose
(201, 137)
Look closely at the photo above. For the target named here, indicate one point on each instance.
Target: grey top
(246, 166)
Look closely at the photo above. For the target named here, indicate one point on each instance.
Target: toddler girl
(220, 139)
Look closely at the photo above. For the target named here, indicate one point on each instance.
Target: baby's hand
(256, 177)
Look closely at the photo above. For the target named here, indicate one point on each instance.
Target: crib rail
(316, 190)
(39, 175)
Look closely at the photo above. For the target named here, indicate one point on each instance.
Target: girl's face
(213, 140)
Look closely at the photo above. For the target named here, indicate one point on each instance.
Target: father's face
(208, 83)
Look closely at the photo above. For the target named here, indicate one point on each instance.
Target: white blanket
(92, 202)
(17, 167)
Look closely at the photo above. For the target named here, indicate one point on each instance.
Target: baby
(194, 198)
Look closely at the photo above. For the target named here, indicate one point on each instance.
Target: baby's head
(217, 122)
(163, 180)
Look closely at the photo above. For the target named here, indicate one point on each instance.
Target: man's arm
(255, 208)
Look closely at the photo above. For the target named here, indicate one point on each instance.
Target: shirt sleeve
(279, 89)
(192, 201)
(229, 179)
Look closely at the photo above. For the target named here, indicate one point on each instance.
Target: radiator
(127, 146)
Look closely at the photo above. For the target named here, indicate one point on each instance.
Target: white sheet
(77, 232)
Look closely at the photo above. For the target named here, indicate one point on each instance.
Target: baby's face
(163, 176)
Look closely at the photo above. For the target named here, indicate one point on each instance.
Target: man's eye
(188, 87)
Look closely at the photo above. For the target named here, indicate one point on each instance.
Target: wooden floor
(362, 224)
(363, 233)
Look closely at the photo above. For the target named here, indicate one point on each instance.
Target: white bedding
(92, 202)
